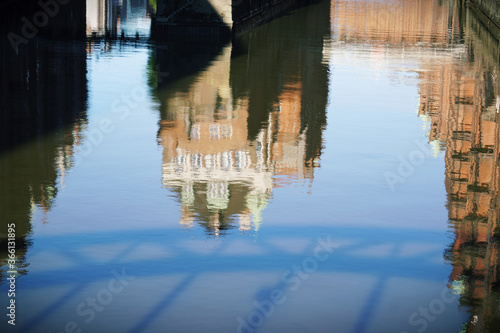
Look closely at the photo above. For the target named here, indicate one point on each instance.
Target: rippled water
(334, 170)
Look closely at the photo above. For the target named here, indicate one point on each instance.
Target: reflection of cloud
(418, 249)
(242, 247)
(148, 252)
(51, 261)
(104, 253)
(290, 245)
(376, 251)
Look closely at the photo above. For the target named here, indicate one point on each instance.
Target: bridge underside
(214, 19)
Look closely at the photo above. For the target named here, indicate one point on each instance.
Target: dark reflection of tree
(43, 94)
(281, 52)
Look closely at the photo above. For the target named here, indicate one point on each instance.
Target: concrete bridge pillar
(212, 19)
(201, 19)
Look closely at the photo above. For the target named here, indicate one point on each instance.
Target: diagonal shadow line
(373, 300)
(50, 309)
(343, 254)
(163, 304)
(367, 312)
(170, 298)
(68, 296)
(167, 301)
(282, 284)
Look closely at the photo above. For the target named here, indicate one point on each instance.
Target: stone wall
(488, 12)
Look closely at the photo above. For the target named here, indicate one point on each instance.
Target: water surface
(334, 170)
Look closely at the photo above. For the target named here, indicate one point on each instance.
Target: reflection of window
(259, 153)
(180, 161)
(226, 131)
(196, 161)
(240, 159)
(214, 130)
(227, 161)
(209, 162)
(217, 195)
(187, 194)
(195, 132)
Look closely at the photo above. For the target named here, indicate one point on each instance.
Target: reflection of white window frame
(180, 162)
(214, 130)
(259, 152)
(187, 194)
(226, 131)
(217, 195)
(227, 160)
(209, 161)
(240, 157)
(196, 161)
(195, 132)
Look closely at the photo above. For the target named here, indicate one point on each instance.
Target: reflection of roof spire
(256, 202)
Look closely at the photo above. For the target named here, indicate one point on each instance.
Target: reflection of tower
(207, 158)
(239, 120)
(219, 173)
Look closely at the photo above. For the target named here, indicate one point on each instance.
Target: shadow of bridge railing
(91, 257)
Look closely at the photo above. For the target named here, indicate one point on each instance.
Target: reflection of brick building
(220, 174)
(458, 100)
(394, 21)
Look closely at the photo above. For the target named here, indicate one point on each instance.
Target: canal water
(333, 170)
